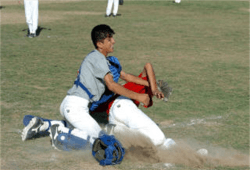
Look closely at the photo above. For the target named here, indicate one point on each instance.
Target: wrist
(155, 92)
(139, 97)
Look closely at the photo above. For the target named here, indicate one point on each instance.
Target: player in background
(31, 15)
(115, 4)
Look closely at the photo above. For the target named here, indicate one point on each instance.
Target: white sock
(62, 128)
(45, 125)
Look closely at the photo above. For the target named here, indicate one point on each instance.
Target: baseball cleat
(32, 128)
(28, 118)
(31, 35)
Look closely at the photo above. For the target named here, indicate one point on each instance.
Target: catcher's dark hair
(100, 32)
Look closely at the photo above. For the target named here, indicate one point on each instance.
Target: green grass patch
(200, 48)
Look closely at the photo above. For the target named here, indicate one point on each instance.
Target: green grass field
(200, 47)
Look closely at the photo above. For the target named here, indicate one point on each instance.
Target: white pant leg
(35, 15)
(116, 5)
(109, 7)
(75, 110)
(125, 115)
(28, 10)
(31, 14)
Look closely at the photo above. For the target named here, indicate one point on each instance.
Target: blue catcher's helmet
(107, 150)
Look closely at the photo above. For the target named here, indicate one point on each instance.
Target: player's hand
(158, 94)
(144, 99)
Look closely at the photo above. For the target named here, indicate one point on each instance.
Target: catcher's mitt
(107, 150)
(164, 88)
(120, 2)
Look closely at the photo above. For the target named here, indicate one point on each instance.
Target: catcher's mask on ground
(107, 150)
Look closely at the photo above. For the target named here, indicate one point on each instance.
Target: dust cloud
(140, 149)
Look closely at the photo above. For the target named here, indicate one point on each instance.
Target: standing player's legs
(31, 15)
(109, 7)
(126, 116)
(116, 5)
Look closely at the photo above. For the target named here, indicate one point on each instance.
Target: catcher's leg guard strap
(70, 142)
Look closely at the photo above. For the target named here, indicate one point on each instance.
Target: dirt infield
(15, 2)
(19, 17)
(140, 150)
(10, 17)
(199, 47)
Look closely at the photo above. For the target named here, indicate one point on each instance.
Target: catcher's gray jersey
(91, 74)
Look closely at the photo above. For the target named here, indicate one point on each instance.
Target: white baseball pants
(109, 7)
(31, 14)
(75, 110)
(126, 115)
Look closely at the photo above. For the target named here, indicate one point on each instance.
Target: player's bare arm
(131, 78)
(119, 89)
(149, 72)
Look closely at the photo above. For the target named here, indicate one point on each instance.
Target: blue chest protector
(115, 68)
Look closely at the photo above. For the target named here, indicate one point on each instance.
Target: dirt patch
(16, 2)
(185, 155)
(140, 153)
(19, 17)
(6, 105)
(40, 88)
(166, 123)
(245, 9)
(12, 18)
(83, 13)
(210, 121)
(140, 150)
